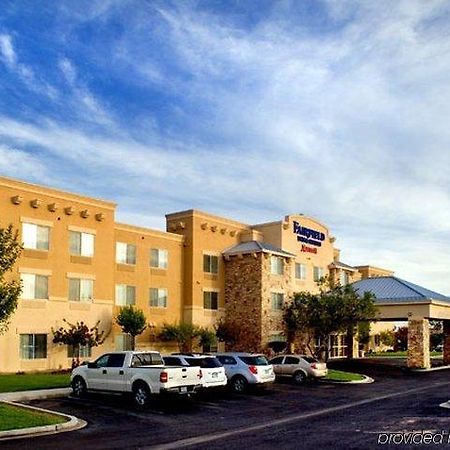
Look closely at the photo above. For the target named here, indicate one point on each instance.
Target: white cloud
(348, 125)
(7, 50)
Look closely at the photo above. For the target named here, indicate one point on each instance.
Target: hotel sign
(309, 237)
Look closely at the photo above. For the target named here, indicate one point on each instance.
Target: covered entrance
(400, 300)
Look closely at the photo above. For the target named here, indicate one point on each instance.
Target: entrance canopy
(397, 299)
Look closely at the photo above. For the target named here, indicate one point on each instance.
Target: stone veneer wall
(243, 288)
(418, 343)
(446, 330)
(272, 321)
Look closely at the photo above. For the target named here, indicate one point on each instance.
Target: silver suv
(245, 369)
(213, 373)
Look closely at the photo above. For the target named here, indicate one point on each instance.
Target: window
(210, 300)
(158, 297)
(173, 361)
(81, 244)
(84, 351)
(81, 290)
(158, 258)
(125, 295)
(291, 360)
(300, 271)
(210, 263)
(125, 253)
(228, 360)
(277, 360)
(344, 278)
(34, 286)
(277, 301)
(318, 273)
(33, 346)
(123, 342)
(276, 265)
(35, 236)
(147, 359)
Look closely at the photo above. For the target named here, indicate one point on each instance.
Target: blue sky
(247, 109)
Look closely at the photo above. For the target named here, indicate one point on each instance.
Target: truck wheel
(299, 377)
(141, 395)
(79, 387)
(238, 384)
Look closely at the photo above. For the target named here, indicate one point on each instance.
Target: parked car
(138, 373)
(299, 367)
(213, 373)
(244, 369)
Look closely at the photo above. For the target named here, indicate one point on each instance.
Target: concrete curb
(41, 394)
(431, 369)
(365, 380)
(73, 423)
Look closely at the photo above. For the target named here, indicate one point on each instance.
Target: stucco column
(446, 327)
(418, 343)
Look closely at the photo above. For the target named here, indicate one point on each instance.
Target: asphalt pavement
(284, 416)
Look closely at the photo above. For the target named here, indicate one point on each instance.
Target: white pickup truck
(138, 373)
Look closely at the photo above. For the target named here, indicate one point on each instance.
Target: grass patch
(14, 417)
(31, 381)
(338, 375)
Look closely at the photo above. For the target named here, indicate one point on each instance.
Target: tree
(387, 338)
(78, 335)
(183, 334)
(335, 309)
(132, 321)
(207, 338)
(10, 249)
(401, 339)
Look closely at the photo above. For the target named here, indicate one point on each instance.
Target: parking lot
(286, 416)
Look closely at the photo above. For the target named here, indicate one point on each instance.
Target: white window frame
(301, 271)
(208, 302)
(85, 285)
(85, 351)
(30, 236)
(277, 301)
(123, 295)
(126, 253)
(158, 297)
(86, 243)
(210, 263)
(344, 278)
(161, 256)
(319, 273)
(30, 283)
(276, 265)
(29, 351)
(122, 342)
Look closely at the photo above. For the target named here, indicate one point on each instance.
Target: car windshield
(257, 360)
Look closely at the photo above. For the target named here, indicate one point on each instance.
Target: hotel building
(79, 264)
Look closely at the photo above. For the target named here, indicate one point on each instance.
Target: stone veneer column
(418, 343)
(446, 326)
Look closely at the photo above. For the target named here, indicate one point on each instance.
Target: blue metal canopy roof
(393, 289)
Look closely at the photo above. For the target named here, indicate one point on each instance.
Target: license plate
(183, 389)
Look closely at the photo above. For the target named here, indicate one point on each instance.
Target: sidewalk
(72, 423)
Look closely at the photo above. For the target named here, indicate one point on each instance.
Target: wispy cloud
(340, 113)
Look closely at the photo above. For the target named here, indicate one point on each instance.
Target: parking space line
(277, 422)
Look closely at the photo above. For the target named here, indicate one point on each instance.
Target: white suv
(213, 373)
(245, 369)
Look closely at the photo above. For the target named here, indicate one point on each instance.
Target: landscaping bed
(340, 376)
(32, 381)
(16, 417)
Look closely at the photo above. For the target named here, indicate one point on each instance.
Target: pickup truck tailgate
(181, 379)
